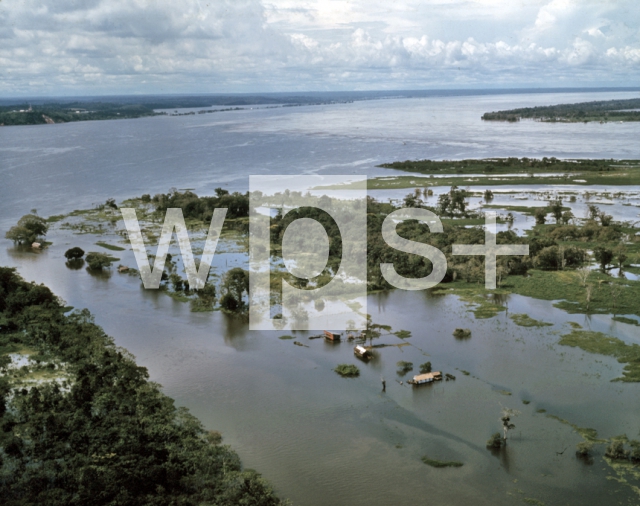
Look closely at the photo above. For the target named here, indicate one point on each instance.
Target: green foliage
(617, 451)
(425, 368)
(541, 215)
(440, 463)
(29, 228)
(462, 333)
(524, 320)
(235, 287)
(403, 334)
(347, 370)
(583, 449)
(404, 367)
(201, 208)
(108, 246)
(495, 441)
(206, 298)
(98, 261)
(74, 253)
(112, 438)
(603, 256)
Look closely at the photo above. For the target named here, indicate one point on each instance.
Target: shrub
(462, 333)
(425, 368)
(347, 370)
(495, 441)
(584, 449)
(98, 261)
(74, 253)
(404, 367)
(616, 451)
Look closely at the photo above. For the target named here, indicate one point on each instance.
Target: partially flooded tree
(29, 228)
(583, 274)
(540, 215)
(505, 417)
(555, 207)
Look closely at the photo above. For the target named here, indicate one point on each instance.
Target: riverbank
(82, 423)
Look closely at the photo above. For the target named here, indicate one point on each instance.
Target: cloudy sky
(65, 47)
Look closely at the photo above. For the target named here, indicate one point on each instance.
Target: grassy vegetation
(403, 334)
(568, 289)
(491, 172)
(624, 319)
(111, 247)
(522, 209)
(524, 320)
(440, 463)
(482, 303)
(347, 370)
(587, 434)
(602, 344)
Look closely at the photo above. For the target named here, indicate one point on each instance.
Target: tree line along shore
(602, 111)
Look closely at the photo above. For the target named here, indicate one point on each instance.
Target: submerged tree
(98, 261)
(234, 288)
(505, 417)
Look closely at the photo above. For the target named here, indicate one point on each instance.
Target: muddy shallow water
(323, 439)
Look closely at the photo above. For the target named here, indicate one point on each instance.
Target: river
(319, 438)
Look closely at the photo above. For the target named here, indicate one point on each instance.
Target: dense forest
(505, 165)
(602, 111)
(80, 423)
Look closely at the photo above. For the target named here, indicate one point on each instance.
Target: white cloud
(124, 46)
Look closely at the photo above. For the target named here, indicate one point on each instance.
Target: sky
(93, 47)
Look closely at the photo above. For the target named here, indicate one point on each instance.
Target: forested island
(80, 422)
(603, 111)
(533, 166)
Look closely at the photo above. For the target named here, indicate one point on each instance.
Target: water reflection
(503, 455)
(75, 264)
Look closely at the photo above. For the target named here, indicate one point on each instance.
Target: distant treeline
(603, 111)
(24, 114)
(106, 435)
(503, 165)
(40, 113)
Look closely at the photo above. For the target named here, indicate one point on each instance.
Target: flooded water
(319, 438)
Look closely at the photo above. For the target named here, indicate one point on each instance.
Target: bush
(74, 253)
(495, 441)
(347, 370)
(616, 451)
(425, 368)
(98, 261)
(462, 333)
(584, 449)
(404, 367)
